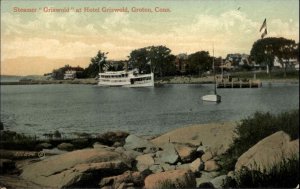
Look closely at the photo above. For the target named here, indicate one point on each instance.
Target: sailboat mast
(213, 65)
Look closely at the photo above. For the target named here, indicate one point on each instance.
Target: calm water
(86, 108)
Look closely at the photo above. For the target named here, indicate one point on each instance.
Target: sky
(34, 43)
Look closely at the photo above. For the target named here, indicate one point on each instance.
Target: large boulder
(217, 136)
(126, 178)
(136, 143)
(169, 154)
(77, 168)
(171, 179)
(268, 152)
(144, 162)
(186, 153)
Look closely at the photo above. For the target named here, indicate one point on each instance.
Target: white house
(70, 74)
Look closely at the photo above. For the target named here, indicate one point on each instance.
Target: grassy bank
(253, 129)
(250, 131)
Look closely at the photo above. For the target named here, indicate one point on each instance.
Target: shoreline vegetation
(274, 77)
(261, 150)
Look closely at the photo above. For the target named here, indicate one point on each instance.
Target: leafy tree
(199, 62)
(160, 57)
(59, 73)
(96, 65)
(157, 59)
(265, 50)
(139, 59)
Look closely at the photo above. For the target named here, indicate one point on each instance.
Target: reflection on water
(87, 108)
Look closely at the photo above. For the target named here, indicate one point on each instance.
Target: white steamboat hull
(145, 80)
(212, 98)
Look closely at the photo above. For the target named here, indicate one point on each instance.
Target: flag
(264, 25)
(264, 33)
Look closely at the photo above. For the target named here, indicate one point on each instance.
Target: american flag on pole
(264, 28)
(264, 33)
(264, 25)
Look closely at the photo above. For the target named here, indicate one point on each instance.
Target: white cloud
(50, 48)
(43, 23)
(116, 19)
(279, 28)
(231, 31)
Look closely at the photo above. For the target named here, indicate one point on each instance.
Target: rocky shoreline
(187, 157)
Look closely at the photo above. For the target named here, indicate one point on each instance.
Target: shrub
(253, 129)
(282, 175)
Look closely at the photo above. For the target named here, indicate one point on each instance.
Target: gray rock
(120, 149)
(98, 145)
(149, 150)
(168, 167)
(208, 155)
(206, 177)
(186, 153)
(197, 166)
(202, 149)
(144, 162)
(218, 181)
(117, 144)
(156, 168)
(136, 143)
(185, 166)
(169, 154)
(66, 146)
(132, 154)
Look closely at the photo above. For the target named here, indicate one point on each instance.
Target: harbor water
(38, 109)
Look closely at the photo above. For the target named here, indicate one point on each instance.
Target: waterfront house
(181, 63)
(70, 74)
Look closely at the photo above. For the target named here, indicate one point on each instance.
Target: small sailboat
(213, 97)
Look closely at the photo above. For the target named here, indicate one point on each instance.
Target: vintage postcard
(149, 94)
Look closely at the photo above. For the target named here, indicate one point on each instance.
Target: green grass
(282, 175)
(253, 129)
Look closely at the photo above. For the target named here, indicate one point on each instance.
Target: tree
(199, 62)
(138, 58)
(157, 59)
(96, 65)
(161, 58)
(265, 50)
(59, 73)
